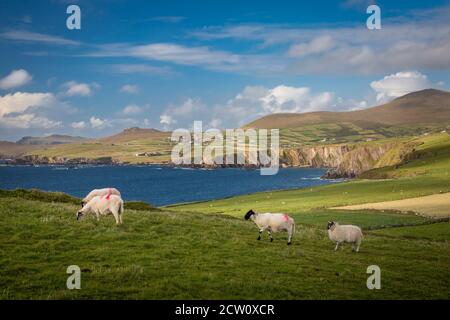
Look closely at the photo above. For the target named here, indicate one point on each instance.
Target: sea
(158, 185)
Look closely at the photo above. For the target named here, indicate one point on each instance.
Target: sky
(165, 64)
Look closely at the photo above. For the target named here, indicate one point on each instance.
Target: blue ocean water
(157, 185)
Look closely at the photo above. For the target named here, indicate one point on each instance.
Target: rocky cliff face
(344, 160)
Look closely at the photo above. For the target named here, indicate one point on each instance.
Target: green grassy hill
(184, 255)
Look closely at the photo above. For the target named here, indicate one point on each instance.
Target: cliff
(347, 160)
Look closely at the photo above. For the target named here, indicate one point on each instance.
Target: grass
(207, 251)
(176, 255)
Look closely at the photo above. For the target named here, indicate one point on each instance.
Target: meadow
(207, 250)
(181, 255)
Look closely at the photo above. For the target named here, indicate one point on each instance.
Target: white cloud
(98, 123)
(15, 79)
(21, 110)
(73, 88)
(317, 45)
(294, 99)
(166, 120)
(252, 103)
(78, 125)
(416, 40)
(132, 109)
(129, 88)
(20, 102)
(399, 84)
(22, 35)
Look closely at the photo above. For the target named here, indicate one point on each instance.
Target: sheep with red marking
(99, 192)
(272, 222)
(103, 205)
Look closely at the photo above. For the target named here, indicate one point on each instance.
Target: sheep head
(79, 214)
(249, 214)
(331, 225)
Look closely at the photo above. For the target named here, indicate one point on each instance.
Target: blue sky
(164, 64)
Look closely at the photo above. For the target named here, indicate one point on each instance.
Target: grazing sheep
(104, 205)
(99, 192)
(272, 222)
(345, 233)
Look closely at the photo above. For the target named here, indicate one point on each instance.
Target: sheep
(272, 222)
(100, 192)
(345, 233)
(103, 205)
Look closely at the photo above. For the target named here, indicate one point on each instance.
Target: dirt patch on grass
(436, 205)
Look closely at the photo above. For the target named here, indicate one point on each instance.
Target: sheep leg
(270, 235)
(337, 245)
(289, 237)
(259, 237)
(97, 214)
(116, 217)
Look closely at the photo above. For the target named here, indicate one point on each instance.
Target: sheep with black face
(345, 233)
(272, 222)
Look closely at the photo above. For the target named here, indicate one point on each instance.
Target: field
(181, 255)
(207, 250)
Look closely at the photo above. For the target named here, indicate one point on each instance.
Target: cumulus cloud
(15, 79)
(78, 125)
(23, 110)
(166, 120)
(399, 84)
(253, 102)
(98, 123)
(73, 88)
(129, 88)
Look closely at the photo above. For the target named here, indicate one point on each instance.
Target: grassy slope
(181, 252)
(178, 255)
(428, 173)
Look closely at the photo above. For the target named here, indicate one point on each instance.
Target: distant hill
(50, 140)
(428, 106)
(135, 133)
(12, 149)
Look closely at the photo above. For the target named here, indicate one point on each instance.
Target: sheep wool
(100, 192)
(345, 233)
(272, 222)
(103, 205)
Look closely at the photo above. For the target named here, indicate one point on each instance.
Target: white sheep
(345, 233)
(100, 192)
(272, 222)
(103, 205)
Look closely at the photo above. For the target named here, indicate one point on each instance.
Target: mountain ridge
(425, 106)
